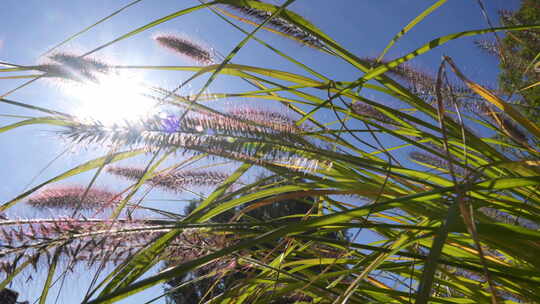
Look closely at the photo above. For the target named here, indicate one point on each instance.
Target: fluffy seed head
(274, 120)
(279, 24)
(96, 240)
(74, 67)
(172, 181)
(87, 64)
(371, 112)
(70, 197)
(185, 48)
(437, 162)
(218, 135)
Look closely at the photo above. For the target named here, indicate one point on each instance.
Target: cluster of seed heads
(238, 141)
(278, 23)
(73, 239)
(185, 48)
(94, 240)
(174, 181)
(73, 67)
(71, 197)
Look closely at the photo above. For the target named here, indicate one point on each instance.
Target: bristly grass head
(69, 197)
(438, 163)
(220, 136)
(185, 48)
(55, 70)
(423, 84)
(370, 112)
(279, 24)
(94, 240)
(82, 68)
(73, 67)
(270, 119)
(174, 181)
(80, 63)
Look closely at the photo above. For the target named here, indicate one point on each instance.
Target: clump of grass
(410, 209)
(185, 48)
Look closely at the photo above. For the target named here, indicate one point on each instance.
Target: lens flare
(113, 99)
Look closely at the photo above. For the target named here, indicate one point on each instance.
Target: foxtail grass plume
(273, 120)
(54, 70)
(437, 162)
(69, 197)
(96, 240)
(83, 64)
(423, 84)
(222, 137)
(278, 23)
(185, 48)
(245, 122)
(370, 112)
(174, 181)
(74, 67)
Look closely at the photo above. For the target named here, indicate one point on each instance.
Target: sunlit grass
(466, 232)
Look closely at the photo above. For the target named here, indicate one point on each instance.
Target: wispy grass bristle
(185, 48)
(83, 64)
(423, 84)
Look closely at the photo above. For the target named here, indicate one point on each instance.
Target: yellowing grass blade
(496, 101)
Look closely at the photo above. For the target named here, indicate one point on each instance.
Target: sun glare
(112, 99)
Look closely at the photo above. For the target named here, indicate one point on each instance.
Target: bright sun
(112, 99)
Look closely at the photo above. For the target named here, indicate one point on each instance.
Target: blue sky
(29, 28)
